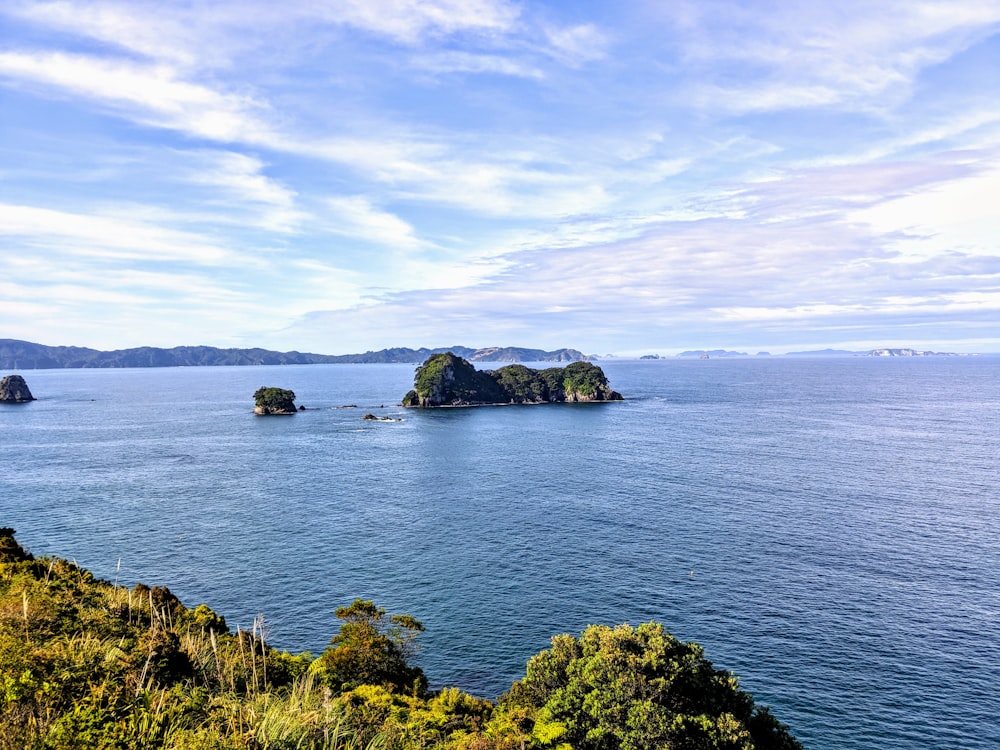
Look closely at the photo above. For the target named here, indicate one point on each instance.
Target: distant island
(449, 380)
(908, 353)
(884, 352)
(25, 355)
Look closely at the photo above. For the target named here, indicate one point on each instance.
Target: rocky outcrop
(372, 418)
(13, 390)
(271, 401)
(448, 380)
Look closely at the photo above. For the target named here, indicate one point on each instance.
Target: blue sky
(620, 178)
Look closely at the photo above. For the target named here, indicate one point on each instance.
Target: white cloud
(457, 61)
(153, 32)
(108, 236)
(356, 217)
(238, 180)
(956, 214)
(150, 94)
(579, 44)
(409, 20)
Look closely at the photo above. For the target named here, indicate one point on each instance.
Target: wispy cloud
(458, 61)
(238, 180)
(106, 236)
(857, 54)
(409, 20)
(149, 94)
(578, 44)
(356, 217)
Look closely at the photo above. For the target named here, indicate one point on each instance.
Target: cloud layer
(343, 176)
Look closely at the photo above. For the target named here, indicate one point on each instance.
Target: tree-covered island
(90, 665)
(268, 401)
(448, 380)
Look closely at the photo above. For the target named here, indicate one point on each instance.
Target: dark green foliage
(10, 550)
(521, 384)
(445, 379)
(552, 379)
(373, 649)
(274, 401)
(448, 380)
(585, 379)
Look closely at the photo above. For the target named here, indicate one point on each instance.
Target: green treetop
(627, 688)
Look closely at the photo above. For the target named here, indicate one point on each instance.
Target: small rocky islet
(13, 390)
(274, 401)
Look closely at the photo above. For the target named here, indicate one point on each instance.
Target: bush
(630, 688)
(372, 649)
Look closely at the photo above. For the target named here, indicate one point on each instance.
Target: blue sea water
(828, 529)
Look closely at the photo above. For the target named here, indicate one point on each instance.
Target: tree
(521, 384)
(630, 688)
(373, 649)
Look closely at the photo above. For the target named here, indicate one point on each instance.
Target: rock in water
(13, 390)
(274, 401)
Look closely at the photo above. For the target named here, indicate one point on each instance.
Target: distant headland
(25, 355)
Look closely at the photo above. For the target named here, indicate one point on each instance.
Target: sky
(337, 176)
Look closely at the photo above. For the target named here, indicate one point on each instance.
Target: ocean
(828, 529)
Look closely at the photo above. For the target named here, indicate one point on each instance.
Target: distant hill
(25, 355)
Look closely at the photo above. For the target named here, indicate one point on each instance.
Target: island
(448, 380)
(13, 390)
(271, 401)
(908, 353)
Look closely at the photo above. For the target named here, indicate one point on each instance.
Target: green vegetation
(372, 649)
(448, 380)
(584, 378)
(88, 665)
(274, 401)
(637, 688)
